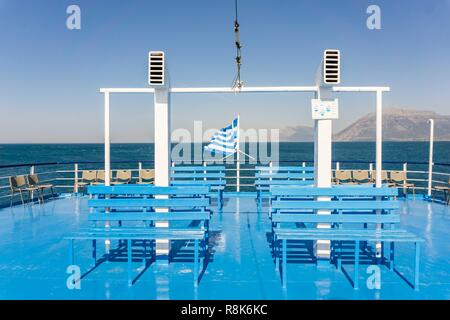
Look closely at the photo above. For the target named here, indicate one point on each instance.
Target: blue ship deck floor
(34, 258)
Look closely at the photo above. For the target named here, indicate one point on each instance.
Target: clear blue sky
(50, 76)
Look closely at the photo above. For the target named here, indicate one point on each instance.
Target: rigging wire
(237, 82)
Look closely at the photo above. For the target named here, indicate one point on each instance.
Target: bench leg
(284, 267)
(391, 256)
(356, 277)
(144, 254)
(195, 263)
(129, 250)
(276, 253)
(339, 255)
(416, 265)
(94, 251)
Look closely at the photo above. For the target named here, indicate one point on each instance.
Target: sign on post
(325, 109)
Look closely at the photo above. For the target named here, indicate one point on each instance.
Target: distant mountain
(398, 125)
(297, 134)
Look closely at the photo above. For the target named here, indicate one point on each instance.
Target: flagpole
(238, 152)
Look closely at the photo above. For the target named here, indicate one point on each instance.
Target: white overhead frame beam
(378, 90)
(246, 89)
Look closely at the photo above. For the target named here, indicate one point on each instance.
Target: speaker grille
(331, 67)
(156, 68)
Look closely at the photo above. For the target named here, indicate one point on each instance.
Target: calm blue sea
(351, 155)
(295, 151)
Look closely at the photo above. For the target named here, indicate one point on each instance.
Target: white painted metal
(430, 159)
(246, 89)
(107, 141)
(162, 157)
(379, 138)
(379, 155)
(76, 177)
(322, 172)
(238, 161)
(322, 143)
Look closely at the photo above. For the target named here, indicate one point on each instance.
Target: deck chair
(343, 177)
(361, 176)
(400, 180)
(101, 177)
(122, 177)
(146, 176)
(384, 178)
(445, 190)
(88, 177)
(18, 184)
(34, 182)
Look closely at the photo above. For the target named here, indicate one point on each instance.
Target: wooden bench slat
(287, 168)
(347, 235)
(212, 183)
(188, 175)
(149, 216)
(267, 175)
(140, 202)
(334, 191)
(197, 168)
(335, 205)
(146, 190)
(336, 218)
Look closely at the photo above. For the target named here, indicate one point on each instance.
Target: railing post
(405, 174)
(75, 187)
(430, 159)
(304, 172)
(139, 170)
(32, 171)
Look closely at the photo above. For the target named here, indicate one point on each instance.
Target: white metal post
(322, 172)
(162, 160)
(76, 177)
(107, 141)
(379, 138)
(379, 155)
(430, 159)
(238, 151)
(405, 174)
(32, 171)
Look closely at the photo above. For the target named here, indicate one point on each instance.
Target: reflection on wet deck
(33, 259)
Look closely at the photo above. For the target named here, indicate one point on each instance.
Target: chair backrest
(343, 175)
(17, 182)
(123, 175)
(89, 175)
(384, 175)
(146, 175)
(33, 180)
(101, 175)
(360, 175)
(398, 176)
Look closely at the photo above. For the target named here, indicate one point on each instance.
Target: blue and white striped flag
(225, 140)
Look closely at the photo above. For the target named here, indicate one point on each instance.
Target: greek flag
(225, 140)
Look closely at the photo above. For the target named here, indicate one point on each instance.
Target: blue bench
(266, 177)
(127, 213)
(358, 214)
(211, 176)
